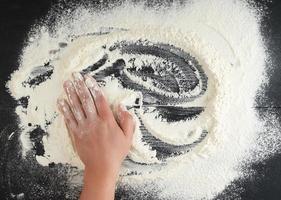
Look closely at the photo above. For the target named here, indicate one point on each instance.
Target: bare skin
(101, 141)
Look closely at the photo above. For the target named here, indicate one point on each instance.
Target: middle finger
(84, 96)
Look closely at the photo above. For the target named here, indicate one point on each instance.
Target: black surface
(16, 18)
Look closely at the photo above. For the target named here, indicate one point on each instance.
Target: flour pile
(223, 43)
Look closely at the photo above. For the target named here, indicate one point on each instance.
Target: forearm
(98, 187)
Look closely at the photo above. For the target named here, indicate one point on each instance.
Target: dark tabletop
(16, 176)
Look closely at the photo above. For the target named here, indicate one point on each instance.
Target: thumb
(126, 121)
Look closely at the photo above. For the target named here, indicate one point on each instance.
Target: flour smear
(223, 36)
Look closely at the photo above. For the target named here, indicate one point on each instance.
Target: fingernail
(69, 87)
(93, 86)
(119, 116)
(77, 76)
(67, 83)
(89, 82)
(86, 76)
(123, 107)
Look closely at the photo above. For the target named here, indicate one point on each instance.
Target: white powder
(222, 35)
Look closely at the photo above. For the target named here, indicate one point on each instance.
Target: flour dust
(189, 75)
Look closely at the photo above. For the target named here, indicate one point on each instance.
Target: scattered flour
(224, 36)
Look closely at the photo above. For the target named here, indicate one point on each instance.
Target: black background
(16, 18)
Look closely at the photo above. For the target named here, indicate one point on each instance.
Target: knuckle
(98, 122)
(73, 99)
(73, 128)
(84, 97)
(103, 123)
(67, 120)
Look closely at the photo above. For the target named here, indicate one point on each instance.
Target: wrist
(98, 185)
(104, 170)
(100, 176)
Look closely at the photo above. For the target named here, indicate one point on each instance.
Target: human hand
(101, 141)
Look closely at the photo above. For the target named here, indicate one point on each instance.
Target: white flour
(222, 35)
